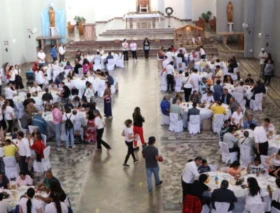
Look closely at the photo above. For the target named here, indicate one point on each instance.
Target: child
(204, 167)
(256, 167)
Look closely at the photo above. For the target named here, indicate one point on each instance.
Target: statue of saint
(52, 17)
(230, 12)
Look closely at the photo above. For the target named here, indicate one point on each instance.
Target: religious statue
(52, 17)
(230, 12)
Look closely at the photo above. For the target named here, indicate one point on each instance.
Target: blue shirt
(203, 169)
(247, 124)
(165, 106)
(54, 54)
(41, 123)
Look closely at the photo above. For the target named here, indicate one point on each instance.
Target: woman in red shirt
(38, 146)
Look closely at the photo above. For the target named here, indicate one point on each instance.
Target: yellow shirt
(10, 150)
(218, 110)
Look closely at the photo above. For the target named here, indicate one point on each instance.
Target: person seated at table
(77, 66)
(40, 122)
(47, 106)
(258, 89)
(48, 181)
(47, 96)
(207, 69)
(204, 167)
(269, 127)
(181, 55)
(274, 164)
(56, 206)
(28, 100)
(4, 204)
(275, 196)
(234, 169)
(207, 98)
(225, 99)
(217, 108)
(203, 86)
(76, 102)
(23, 180)
(237, 117)
(255, 195)
(227, 79)
(175, 108)
(59, 79)
(31, 109)
(165, 105)
(52, 85)
(193, 111)
(35, 89)
(224, 195)
(179, 96)
(64, 94)
(38, 146)
(231, 140)
(28, 204)
(25, 120)
(233, 105)
(249, 80)
(85, 103)
(218, 73)
(195, 97)
(249, 121)
(68, 104)
(240, 88)
(218, 91)
(256, 167)
(68, 66)
(10, 148)
(4, 181)
(224, 129)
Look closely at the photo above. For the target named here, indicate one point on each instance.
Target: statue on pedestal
(230, 12)
(52, 17)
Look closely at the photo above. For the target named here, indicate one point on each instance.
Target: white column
(160, 6)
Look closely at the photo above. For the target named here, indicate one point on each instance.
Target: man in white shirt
(262, 56)
(240, 88)
(170, 55)
(195, 78)
(24, 152)
(9, 93)
(35, 89)
(165, 62)
(61, 51)
(170, 76)
(97, 56)
(189, 174)
(207, 98)
(261, 141)
(41, 57)
(202, 52)
(183, 49)
(268, 126)
(133, 49)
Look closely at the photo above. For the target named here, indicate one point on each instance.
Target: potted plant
(206, 16)
(80, 24)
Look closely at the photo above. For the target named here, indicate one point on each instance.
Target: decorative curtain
(60, 22)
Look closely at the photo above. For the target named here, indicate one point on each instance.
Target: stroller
(30, 77)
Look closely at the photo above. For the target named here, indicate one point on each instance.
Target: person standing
(262, 56)
(268, 72)
(69, 120)
(100, 129)
(9, 114)
(57, 121)
(107, 101)
(41, 58)
(133, 49)
(150, 153)
(129, 137)
(24, 152)
(125, 48)
(170, 77)
(146, 47)
(261, 140)
(138, 121)
(187, 85)
(54, 53)
(61, 51)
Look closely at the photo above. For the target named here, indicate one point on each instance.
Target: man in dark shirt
(198, 186)
(226, 97)
(193, 111)
(47, 96)
(28, 100)
(150, 153)
(4, 181)
(249, 80)
(48, 179)
(110, 79)
(224, 130)
(181, 55)
(223, 194)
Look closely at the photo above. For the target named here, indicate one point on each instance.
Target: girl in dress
(91, 128)
(107, 101)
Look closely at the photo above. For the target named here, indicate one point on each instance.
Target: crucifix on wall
(143, 6)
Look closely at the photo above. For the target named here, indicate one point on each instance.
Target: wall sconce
(31, 32)
(260, 35)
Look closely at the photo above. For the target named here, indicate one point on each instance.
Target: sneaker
(159, 184)
(125, 165)
(135, 161)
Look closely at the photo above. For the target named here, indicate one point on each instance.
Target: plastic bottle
(216, 180)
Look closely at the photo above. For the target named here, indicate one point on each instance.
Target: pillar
(249, 18)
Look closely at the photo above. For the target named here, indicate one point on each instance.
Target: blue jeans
(58, 134)
(69, 133)
(149, 172)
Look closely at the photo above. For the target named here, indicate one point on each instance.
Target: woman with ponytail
(56, 206)
(28, 204)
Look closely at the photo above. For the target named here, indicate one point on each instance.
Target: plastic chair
(217, 123)
(246, 155)
(46, 160)
(213, 168)
(110, 65)
(165, 120)
(176, 125)
(221, 207)
(257, 103)
(227, 157)
(31, 128)
(194, 124)
(97, 65)
(120, 61)
(274, 210)
(178, 83)
(44, 137)
(101, 88)
(263, 161)
(11, 170)
(255, 208)
(20, 127)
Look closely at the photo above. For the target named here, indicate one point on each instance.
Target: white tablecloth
(263, 181)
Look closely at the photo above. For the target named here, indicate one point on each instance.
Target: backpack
(68, 123)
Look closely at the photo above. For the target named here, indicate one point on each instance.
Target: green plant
(79, 19)
(206, 16)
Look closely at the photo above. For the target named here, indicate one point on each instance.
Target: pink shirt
(28, 181)
(57, 116)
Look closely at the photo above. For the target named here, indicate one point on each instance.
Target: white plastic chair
(263, 161)
(213, 167)
(194, 124)
(205, 209)
(38, 167)
(274, 210)
(217, 123)
(97, 65)
(20, 127)
(101, 88)
(113, 87)
(110, 65)
(176, 125)
(246, 155)
(255, 208)
(179, 61)
(163, 82)
(44, 137)
(221, 207)
(11, 170)
(78, 127)
(31, 128)
(165, 119)
(178, 83)
(239, 97)
(46, 160)
(257, 103)
(120, 62)
(227, 157)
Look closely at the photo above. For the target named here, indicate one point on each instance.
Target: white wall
(179, 8)
(83, 8)
(203, 6)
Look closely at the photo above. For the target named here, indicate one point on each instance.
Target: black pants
(185, 188)
(23, 165)
(100, 141)
(187, 92)
(0, 89)
(263, 147)
(170, 82)
(267, 79)
(146, 53)
(54, 59)
(125, 55)
(130, 151)
(10, 125)
(61, 58)
(134, 54)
